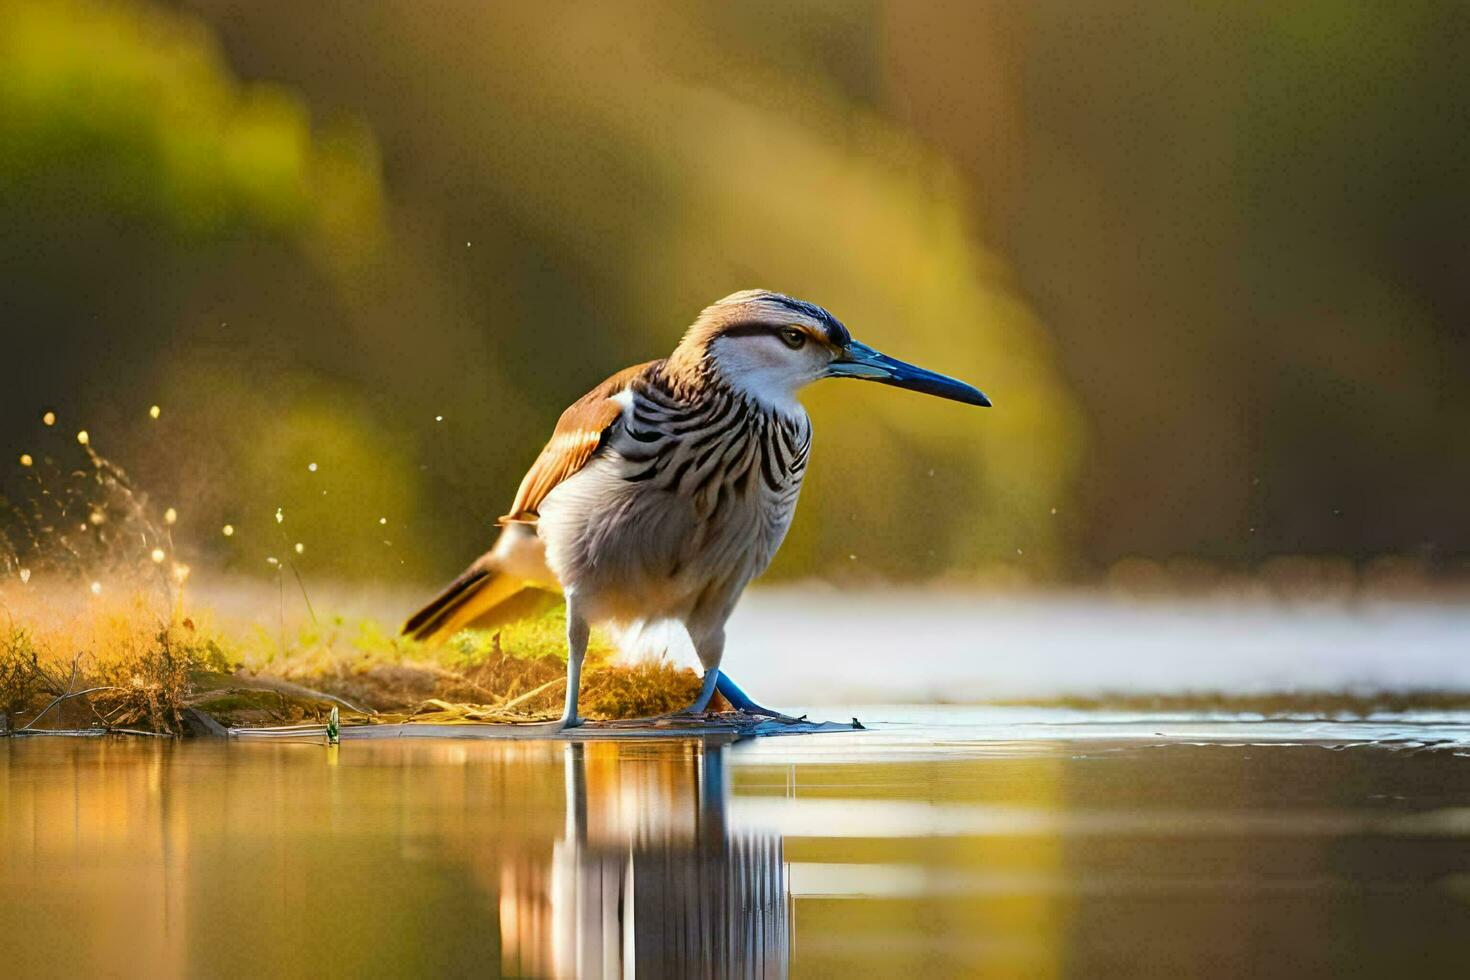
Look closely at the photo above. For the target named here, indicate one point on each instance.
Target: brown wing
(576, 437)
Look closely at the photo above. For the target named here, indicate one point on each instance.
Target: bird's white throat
(770, 381)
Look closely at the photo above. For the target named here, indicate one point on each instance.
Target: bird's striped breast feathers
(582, 428)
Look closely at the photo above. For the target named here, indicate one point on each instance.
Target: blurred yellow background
(1210, 260)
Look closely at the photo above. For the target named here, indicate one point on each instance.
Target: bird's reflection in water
(647, 878)
(383, 858)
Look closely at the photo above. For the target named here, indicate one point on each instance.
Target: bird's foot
(570, 721)
(771, 713)
(741, 701)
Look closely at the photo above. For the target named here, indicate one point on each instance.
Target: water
(799, 644)
(803, 645)
(942, 842)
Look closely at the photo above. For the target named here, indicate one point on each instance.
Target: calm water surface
(942, 844)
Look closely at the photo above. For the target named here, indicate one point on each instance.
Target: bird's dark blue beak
(862, 362)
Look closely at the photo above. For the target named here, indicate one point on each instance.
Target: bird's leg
(711, 650)
(706, 691)
(577, 633)
(741, 701)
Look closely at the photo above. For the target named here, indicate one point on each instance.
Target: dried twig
(296, 690)
(515, 702)
(139, 731)
(63, 697)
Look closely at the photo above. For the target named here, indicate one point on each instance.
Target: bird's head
(769, 346)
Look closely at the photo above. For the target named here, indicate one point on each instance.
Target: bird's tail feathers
(515, 564)
(474, 594)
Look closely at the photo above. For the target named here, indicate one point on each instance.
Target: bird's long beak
(862, 362)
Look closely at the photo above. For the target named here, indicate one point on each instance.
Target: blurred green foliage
(1246, 225)
(129, 113)
(561, 202)
(1203, 257)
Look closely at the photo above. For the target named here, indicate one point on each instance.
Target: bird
(666, 489)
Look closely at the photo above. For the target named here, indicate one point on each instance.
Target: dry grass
(22, 678)
(117, 673)
(138, 665)
(96, 632)
(515, 672)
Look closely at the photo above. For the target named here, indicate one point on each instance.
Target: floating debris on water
(228, 530)
(157, 555)
(154, 411)
(96, 588)
(280, 515)
(300, 548)
(83, 438)
(49, 418)
(25, 459)
(311, 467)
(25, 576)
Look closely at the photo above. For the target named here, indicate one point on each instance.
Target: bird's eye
(793, 337)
